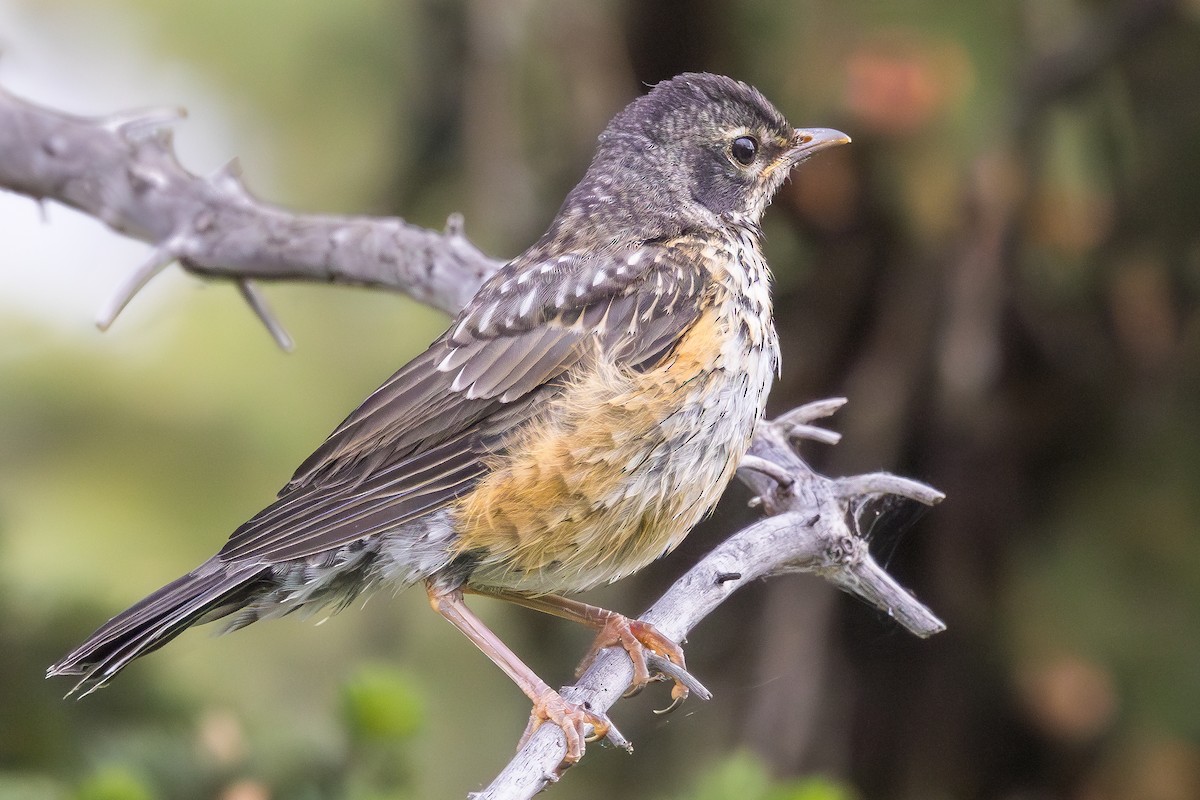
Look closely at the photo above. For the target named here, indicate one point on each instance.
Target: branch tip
(797, 424)
(667, 667)
(812, 433)
(230, 169)
(865, 579)
(258, 304)
(141, 122)
(229, 179)
(877, 483)
(809, 412)
(162, 257)
(775, 472)
(616, 738)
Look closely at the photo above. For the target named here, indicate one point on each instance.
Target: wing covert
(416, 443)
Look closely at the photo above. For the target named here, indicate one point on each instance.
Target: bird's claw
(679, 693)
(636, 638)
(574, 720)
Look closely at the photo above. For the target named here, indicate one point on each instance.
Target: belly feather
(618, 469)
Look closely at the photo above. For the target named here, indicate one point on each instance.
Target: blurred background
(1001, 273)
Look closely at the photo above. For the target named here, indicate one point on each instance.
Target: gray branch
(123, 171)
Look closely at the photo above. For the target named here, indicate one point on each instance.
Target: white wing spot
(527, 304)
(601, 277)
(603, 323)
(649, 312)
(486, 319)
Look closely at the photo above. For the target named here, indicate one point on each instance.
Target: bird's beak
(807, 141)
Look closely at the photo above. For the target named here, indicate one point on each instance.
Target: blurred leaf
(743, 776)
(382, 703)
(739, 777)
(114, 783)
(29, 787)
(811, 789)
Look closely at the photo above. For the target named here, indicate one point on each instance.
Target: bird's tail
(209, 592)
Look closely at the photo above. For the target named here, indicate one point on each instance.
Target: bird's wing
(418, 441)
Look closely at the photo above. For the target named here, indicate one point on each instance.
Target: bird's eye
(744, 149)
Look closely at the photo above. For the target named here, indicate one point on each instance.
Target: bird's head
(697, 150)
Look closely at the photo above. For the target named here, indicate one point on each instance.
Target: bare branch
(258, 304)
(123, 170)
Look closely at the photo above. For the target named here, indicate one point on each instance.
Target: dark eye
(744, 149)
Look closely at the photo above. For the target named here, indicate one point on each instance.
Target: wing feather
(418, 442)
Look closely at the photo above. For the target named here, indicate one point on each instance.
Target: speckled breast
(624, 463)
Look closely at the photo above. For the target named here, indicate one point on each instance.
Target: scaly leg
(548, 705)
(614, 629)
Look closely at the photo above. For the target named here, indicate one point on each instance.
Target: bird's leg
(548, 705)
(614, 629)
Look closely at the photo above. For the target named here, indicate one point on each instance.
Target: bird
(582, 412)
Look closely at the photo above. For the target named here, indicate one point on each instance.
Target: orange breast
(615, 472)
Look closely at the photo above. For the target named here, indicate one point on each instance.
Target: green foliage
(383, 709)
(382, 704)
(20, 786)
(114, 783)
(742, 776)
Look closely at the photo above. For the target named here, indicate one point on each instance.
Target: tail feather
(209, 592)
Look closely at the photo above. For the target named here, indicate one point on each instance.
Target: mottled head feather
(663, 166)
(694, 102)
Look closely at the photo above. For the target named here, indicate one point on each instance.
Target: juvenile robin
(580, 415)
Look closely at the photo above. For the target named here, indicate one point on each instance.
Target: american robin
(580, 415)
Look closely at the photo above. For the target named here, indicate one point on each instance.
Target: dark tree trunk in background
(878, 318)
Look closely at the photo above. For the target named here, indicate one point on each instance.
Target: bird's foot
(574, 720)
(636, 637)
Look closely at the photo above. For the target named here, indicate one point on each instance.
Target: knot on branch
(847, 550)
